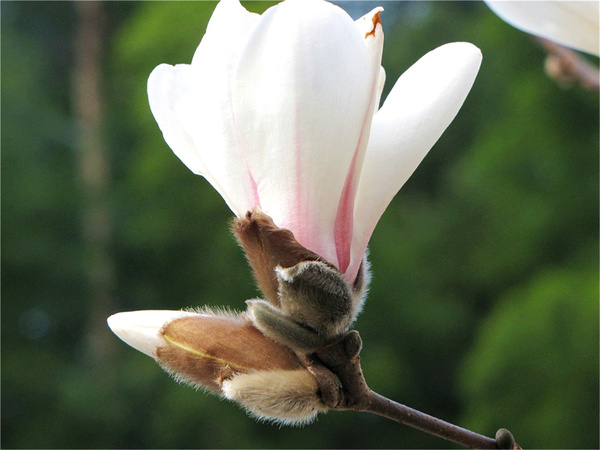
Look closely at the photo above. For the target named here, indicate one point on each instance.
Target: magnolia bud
(226, 355)
(206, 349)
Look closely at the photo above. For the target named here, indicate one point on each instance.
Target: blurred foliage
(536, 334)
(483, 309)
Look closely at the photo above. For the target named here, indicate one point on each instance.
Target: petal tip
(370, 23)
(464, 54)
(376, 20)
(465, 48)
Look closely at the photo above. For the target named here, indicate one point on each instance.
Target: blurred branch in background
(94, 173)
(566, 66)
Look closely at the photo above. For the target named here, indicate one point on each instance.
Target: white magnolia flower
(280, 112)
(574, 24)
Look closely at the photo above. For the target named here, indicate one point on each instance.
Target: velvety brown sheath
(208, 349)
(267, 247)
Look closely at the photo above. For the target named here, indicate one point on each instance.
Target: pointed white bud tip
(141, 329)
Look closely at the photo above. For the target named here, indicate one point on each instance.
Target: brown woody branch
(341, 361)
(567, 66)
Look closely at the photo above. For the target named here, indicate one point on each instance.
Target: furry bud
(225, 354)
(286, 396)
(206, 349)
(318, 296)
(278, 326)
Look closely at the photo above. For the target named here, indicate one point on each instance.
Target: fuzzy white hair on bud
(318, 296)
(276, 325)
(288, 397)
(317, 304)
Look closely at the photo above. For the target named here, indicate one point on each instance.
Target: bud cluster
(258, 358)
(225, 354)
(309, 302)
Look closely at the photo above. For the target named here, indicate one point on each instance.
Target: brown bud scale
(268, 247)
(206, 349)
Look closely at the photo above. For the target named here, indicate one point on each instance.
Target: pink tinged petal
(301, 92)
(424, 101)
(192, 105)
(140, 329)
(574, 24)
(370, 27)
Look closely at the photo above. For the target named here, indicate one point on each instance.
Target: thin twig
(567, 66)
(385, 407)
(352, 393)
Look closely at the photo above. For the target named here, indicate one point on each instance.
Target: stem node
(343, 387)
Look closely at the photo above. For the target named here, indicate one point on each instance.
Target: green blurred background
(483, 308)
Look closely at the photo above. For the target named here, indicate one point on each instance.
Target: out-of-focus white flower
(574, 24)
(280, 112)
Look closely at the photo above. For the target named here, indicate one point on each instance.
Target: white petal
(369, 26)
(167, 85)
(140, 329)
(424, 101)
(571, 23)
(192, 105)
(301, 95)
(380, 88)
(227, 30)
